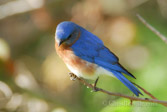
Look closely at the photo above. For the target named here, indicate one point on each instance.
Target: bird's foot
(95, 89)
(72, 76)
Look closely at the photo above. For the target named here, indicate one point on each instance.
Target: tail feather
(127, 83)
(125, 71)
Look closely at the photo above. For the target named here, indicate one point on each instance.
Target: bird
(86, 56)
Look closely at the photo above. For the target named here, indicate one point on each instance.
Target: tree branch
(73, 77)
(162, 37)
(146, 92)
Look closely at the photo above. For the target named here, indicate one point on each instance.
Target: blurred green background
(34, 79)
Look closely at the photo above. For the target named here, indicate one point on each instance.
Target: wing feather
(90, 48)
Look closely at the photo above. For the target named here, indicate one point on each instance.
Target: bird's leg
(94, 86)
(72, 76)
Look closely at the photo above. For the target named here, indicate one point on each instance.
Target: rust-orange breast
(68, 56)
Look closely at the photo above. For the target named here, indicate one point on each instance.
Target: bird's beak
(60, 43)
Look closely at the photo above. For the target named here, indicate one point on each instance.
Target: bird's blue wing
(91, 48)
(106, 60)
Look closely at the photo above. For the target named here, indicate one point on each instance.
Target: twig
(145, 91)
(118, 94)
(161, 36)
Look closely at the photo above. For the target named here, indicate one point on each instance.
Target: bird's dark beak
(60, 43)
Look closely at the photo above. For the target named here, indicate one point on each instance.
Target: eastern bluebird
(86, 56)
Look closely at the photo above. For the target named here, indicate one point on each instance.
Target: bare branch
(132, 98)
(145, 91)
(162, 37)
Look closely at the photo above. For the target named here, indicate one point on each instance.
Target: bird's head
(67, 33)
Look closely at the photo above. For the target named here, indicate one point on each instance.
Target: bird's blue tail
(127, 83)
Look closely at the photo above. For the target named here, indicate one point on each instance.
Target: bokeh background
(34, 79)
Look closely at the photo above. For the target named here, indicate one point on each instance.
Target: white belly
(102, 71)
(99, 71)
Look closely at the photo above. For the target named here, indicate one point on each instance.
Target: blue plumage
(97, 53)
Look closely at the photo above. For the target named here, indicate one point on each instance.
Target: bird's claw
(72, 76)
(95, 89)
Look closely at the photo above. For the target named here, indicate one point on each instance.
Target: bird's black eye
(69, 36)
